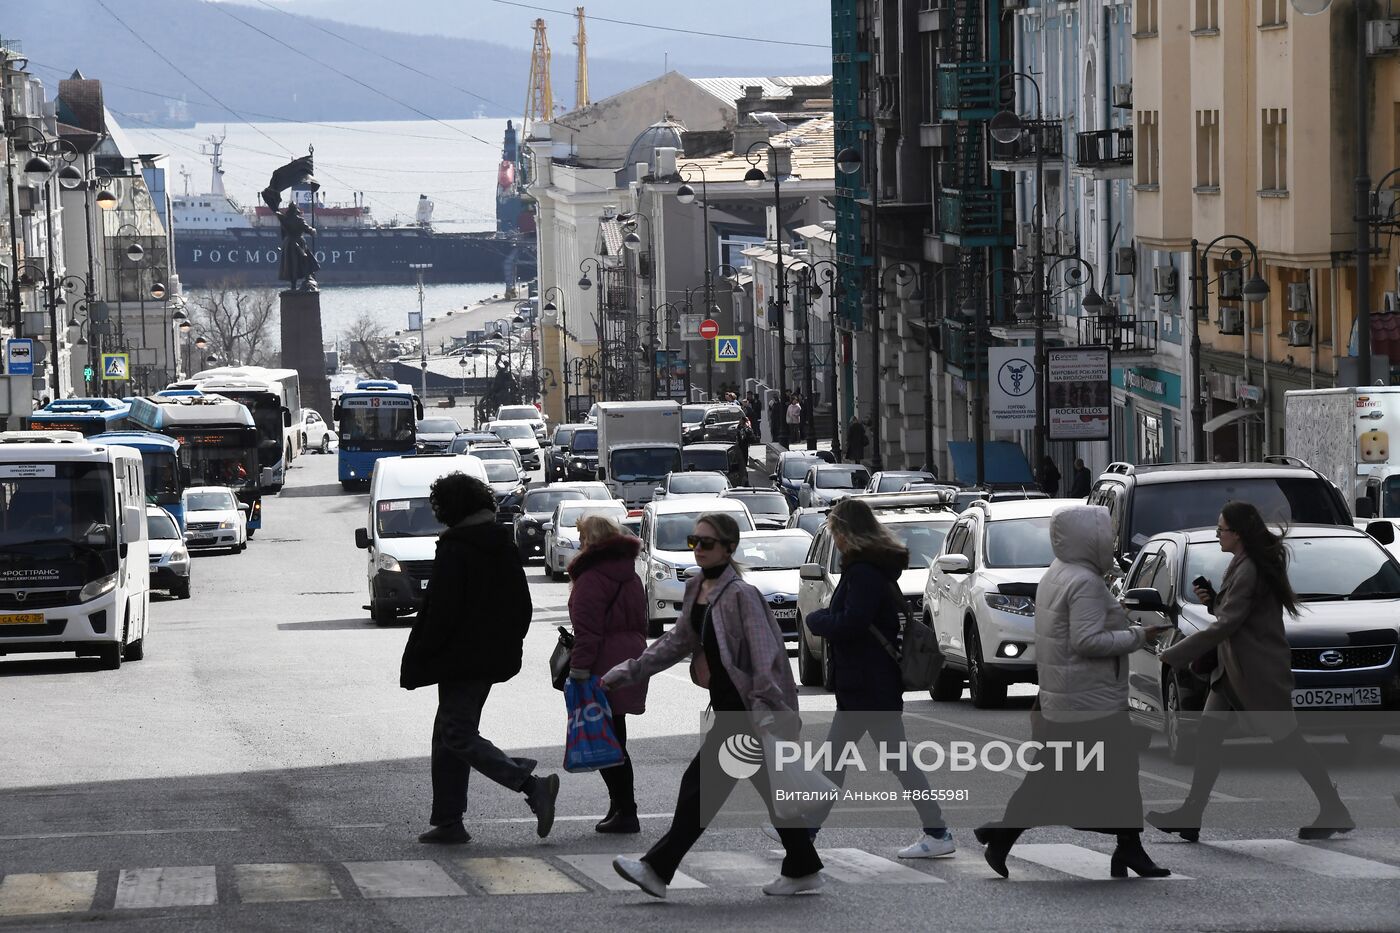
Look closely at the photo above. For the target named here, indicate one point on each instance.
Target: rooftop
(813, 154)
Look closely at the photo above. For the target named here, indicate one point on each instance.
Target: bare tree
(237, 322)
(366, 338)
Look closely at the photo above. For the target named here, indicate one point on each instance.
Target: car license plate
(783, 615)
(200, 541)
(22, 618)
(1315, 697)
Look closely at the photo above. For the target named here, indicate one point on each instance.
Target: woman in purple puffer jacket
(607, 607)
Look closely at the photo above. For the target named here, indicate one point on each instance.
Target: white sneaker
(930, 846)
(783, 886)
(641, 874)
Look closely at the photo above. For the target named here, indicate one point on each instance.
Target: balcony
(1041, 139)
(1124, 336)
(969, 91)
(975, 217)
(959, 345)
(887, 99)
(1104, 155)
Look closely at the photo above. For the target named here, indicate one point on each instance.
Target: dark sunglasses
(1221, 529)
(701, 542)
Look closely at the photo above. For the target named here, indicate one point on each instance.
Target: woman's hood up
(1083, 534)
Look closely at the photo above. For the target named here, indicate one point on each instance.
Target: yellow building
(1245, 127)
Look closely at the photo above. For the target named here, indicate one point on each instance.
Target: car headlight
(567, 544)
(661, 571)
(97, 587)
(1016, 605)
(227, 525)
(179, 555)
(388, 563)
(533, 531)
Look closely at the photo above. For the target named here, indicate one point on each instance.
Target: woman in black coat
(862, 628)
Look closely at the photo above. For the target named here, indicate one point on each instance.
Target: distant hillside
(256, 76)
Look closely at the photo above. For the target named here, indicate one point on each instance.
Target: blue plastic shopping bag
(591, 743)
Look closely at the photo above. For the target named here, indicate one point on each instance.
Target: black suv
(721, 423)
(1148, 500)
(572, 453)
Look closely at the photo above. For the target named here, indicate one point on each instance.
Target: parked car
(561, 538)
(721, 457)
(521, 436)
(435, 435)
(920, 521)
(770, 509)
(215, 519)
(809, 520)
(525, 413)
(665, 557)
(980, 597)
(771, 561)
(170, 559)
(791, 469)
(316, 433)
(693, 484)
(719, 423)
(536, 512)
(825, 483)
(896, 480)
(1344, 638)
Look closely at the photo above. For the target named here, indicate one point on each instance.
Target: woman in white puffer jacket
(1082, 639)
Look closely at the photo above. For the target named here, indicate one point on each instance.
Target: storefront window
(1149, 434)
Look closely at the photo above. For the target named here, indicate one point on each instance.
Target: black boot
(449, 834)
(1184, 821)
(998, 841)
(1131, 855)
(1332, 820)
(1334, 817)
(620, 820)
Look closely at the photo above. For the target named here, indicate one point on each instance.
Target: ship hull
(369, 256)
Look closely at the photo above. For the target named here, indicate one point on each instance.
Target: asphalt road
(261, 769)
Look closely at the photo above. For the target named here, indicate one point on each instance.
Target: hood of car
(402, 549)
(160, 547)
(774, 582)
(992, 577)
(435, 437)
(911, 581)
(1325, 625)
(680, 559)
(522, 443)
(212, 515)
(505, 487)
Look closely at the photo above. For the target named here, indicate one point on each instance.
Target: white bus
(74, 568)
(273, 397)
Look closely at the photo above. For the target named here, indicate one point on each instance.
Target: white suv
(665, 558)
(980, 597)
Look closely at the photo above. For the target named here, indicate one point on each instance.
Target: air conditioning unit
(1231, 321)
(1300, 333)
(1025, 260)
(1231, 284)
(1123, 96)
(1299, 297)
(1390, 304)
(1025, 235)
(1382, 36)
(1164, 281)
(1125, 261)
(1052, 241)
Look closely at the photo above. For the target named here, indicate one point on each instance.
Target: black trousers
(620, 780)
(459, 747)
(887, 728)
(688, 824)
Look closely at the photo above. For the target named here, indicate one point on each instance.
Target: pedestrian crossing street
(77, 892)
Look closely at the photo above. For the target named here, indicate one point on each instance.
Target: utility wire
(660, 28)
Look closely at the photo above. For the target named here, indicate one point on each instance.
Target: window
(1208, 16)
(1146, 17)
(1273, 13)
(1273, 172)
(1208, 149)
(1149, 154)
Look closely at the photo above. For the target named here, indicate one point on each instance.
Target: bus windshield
(220, 458)
(381, 428)
(57, 523)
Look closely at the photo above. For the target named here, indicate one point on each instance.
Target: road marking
(1069, 859)
(856, 866)
(573, 818)
(402, 879)
(275, 882)
(142, 888)
(56, 892)
(122, 832)
(598, 869)
(518, 875)
(1312, 859)
(732, 869)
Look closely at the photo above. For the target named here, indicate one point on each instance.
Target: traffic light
(87, 373)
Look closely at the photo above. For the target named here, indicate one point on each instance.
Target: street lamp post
(686, 195)
(753, 178)
(420, 268)
(586, 283)
(831, 274)
(550, 294)
(632, 242)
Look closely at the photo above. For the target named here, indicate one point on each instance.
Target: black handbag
(560, 658)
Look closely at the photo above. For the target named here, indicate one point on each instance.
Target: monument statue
(299, 265)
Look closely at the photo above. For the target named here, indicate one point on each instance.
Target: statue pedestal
(304, 350)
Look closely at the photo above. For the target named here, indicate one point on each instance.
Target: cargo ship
(218, 241)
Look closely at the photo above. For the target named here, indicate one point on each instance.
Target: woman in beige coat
(1252, 674)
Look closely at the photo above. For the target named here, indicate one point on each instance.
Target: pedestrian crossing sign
(727, 349)
(114, 367)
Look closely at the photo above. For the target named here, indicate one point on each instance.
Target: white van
(74, 568)
(402, 535)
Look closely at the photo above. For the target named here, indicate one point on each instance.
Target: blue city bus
(160, 458)
(378, 418)
(87, 416)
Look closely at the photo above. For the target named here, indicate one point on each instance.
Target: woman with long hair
(737, 652)
(1253, 673)
(608, 611)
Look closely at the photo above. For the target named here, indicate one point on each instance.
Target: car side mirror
(1365, 508)
(658, 493)
(245, 508)
(953, 563)
(810, 572)
(286, 418)
(1383, 532)
(1144, 599)
(335, 412)
(773, 477)
(602, 474)
(362, 538)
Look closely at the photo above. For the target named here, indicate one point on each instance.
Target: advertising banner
(671, 374)
(1078, 394)
(1011, 395)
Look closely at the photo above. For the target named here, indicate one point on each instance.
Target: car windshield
(584, 441)
(810, 522)
(692, 415)
(1019, 542)
(716, 460)
(161, 527)
(438, 426)
(644, 464)
(501, 471)
(406, 518)
(545, 500)
(894, 482)
(853, 478)
(563, 434)
(724, 415)
(570, 514)
(459, 444)
(1159, 507)
(484, 453)
(1321, 569)
(672, 529)
(775, 553)
(765, 503)
(211, 501)
(698, 482)
(796, 467)
(518, 413)
(514, 432)
(923, 539)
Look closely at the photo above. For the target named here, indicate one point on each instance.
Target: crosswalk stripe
(402, 879)
(54, 892)
(518, 875)
(1070, 859)
(856, 866)
(275, 882)
(598, 869)
(1313, 859)
(732, 869)
(142, 888)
